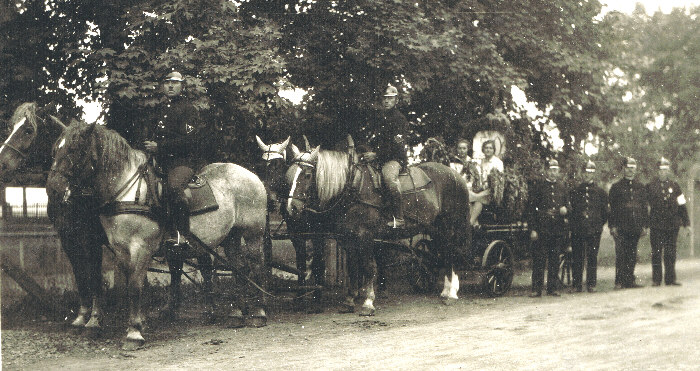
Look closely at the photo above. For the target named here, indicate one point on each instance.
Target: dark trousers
(545, 252)
(585, 252)
(626, 257)
(178, 177)
(663, 241)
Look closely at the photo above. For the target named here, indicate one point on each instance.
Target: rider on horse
(177, 138)
(387, 139)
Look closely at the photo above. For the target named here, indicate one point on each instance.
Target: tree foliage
(453, 61)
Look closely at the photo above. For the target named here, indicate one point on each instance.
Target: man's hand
(150, 146)
(645, 231)
(563, 210)
(533, 235)
(613, 232)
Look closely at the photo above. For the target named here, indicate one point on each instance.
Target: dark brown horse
(93, 157)
(33, 133)
(333, 184)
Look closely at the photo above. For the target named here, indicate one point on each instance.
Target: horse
(346, 192)
(33, 132)
(275, 166)
(125, 184)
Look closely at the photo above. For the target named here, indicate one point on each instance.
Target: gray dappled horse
(28, 145)
(98, 158)
(333, 183)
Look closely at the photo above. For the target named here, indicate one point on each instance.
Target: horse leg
(451, 285)
(173, 255)
(206, 267)
(232, 246)
(79, 262)
(136, 274)
(318, 271)
(94, 266)
(300, 253)
(353, 283)
(257, 272)
(369, 269)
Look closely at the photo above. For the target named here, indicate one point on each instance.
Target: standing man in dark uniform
(589, 212)
(387, 138)
(548, 205)
(178, 139)
(629, 216)
(668, 213)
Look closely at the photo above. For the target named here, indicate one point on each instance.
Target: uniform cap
(174, 76)
(664, 164)
(630, 162)
(590, 167)
(391, 91)
(553, 164)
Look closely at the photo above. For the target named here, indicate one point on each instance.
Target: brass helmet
(630, 162)
(552, 164)
(664, 164)
(174, 76)
(590, 167)
(391, 91)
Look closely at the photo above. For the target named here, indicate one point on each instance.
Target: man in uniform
(589, 212)
(388, 133)
(629, 216)
(668, 213)
(178, 139)
(548, 206)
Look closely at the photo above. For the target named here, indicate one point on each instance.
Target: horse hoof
(367, 312)
(346, 308)
(93, 332)
(235, 322)
(448, 301)
(257, 321)
(133, 344)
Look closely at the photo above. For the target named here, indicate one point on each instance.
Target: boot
(179, 225)
(396, 210)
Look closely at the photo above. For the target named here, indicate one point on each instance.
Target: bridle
(17, 150)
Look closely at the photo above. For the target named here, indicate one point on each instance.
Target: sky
(651, 6)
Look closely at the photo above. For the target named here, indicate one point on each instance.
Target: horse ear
(57, 121)
(306, 141)
(262, 144)
(295, 151)
(284, 144)
(314, 154)
(351, 143)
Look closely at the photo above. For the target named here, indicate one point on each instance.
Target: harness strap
(138, 174)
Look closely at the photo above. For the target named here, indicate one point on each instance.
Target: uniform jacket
(384, 129)
(182, 137)
(589, 209)
(544, 201)
(628, 206)
(667, 203)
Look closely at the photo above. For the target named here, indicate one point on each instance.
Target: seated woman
(488, 164)
(463, 164)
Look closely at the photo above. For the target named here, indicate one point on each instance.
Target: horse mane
(331, 174)
(28, 110)
(114, 153)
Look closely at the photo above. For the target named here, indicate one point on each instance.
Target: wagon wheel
(565, 259)
(498, 265)
(421, 269)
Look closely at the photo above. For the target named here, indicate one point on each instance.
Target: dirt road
(654, 328)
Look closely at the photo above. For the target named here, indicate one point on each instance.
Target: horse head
(74, 164)
(26, 125)
(300, 176)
